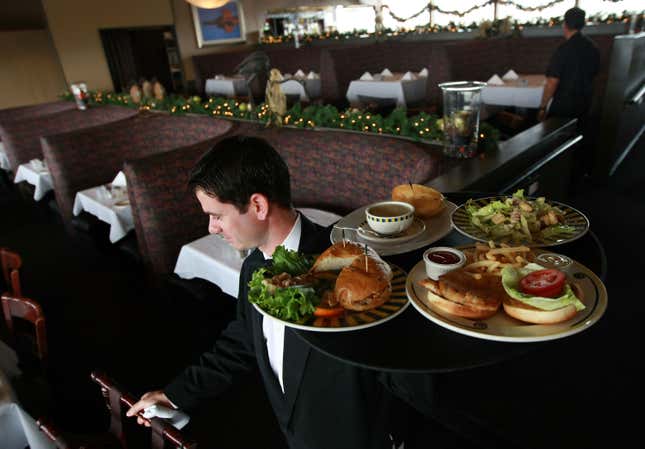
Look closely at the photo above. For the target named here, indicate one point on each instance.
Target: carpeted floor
(101, 314)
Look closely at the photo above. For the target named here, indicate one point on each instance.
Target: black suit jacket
(327, 403)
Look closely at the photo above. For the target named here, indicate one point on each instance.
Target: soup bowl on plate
(389, 217)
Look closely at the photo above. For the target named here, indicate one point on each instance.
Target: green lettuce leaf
(291, 303)
(292, 262)
(511, 280)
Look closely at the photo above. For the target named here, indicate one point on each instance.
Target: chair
(116, 399)
(28, 310)
(11, 263)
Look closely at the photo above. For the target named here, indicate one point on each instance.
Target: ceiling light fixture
(208, 4)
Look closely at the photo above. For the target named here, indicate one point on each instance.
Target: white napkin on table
(120, 180)
(423, 72)
(38, 165)
(366, 76)
(219, 77)
(299, 74)
(510, 75)
(407, 76)
(312, 75)
(386, 72)
(495, 80)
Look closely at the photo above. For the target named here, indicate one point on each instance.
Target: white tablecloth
(4, 160)
(39, 178)
(114, 211)
(19, 430)
(307, 89)
(226, 87)
(526, 92)
(213, 259)
(403, 91)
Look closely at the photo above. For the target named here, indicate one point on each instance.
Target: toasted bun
(338, 256)
(530, 314)
(460, 294)
(427, 201)
(358, 289)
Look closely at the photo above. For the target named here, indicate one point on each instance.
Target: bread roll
(360, 289)
(427, 201)
(337, 257)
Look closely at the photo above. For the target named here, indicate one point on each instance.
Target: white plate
(501, 327)
(416, 228)
(352, 321)
(437, 227)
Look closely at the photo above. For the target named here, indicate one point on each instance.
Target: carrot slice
(327, 312)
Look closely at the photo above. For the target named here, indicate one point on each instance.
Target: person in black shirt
(571, 72)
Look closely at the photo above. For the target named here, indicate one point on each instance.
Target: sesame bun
(427, 201)
(530, 314)
(360, 289)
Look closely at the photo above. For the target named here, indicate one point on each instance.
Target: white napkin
(495, 80)
(386, 72)
(423, 72)
(177, 418)
(37, 165)
(366, 76)
(312, 75)
(219, 77)
(407, 76)
(286, 76)
(510, 75)
(299, 74)
(120, 180)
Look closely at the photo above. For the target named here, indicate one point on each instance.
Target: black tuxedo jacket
(327, 403)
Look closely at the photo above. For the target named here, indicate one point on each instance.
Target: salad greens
(291, 303)
(518, 218)
(511, 281)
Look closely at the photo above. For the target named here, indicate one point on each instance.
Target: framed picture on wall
(222, 25)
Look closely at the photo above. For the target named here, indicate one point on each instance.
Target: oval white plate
(501, 327)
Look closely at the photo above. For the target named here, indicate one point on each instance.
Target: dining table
(305, 89)
(412, 343)
(402, 89)
(4, 160)
(109, 204)
(36, 173)
(523, 92)
(226, 86)
(211, 258)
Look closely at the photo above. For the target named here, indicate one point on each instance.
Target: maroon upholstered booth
(35, 110)
(331, 170)
(166, 214)
(90, 157)
(22, 138)
(339, 66)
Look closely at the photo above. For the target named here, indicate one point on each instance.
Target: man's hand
(541, 115)
(147, 400)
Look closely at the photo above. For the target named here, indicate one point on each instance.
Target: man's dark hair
(236, 167)
(574, 18)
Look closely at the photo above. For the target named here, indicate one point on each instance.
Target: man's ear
(259, 205)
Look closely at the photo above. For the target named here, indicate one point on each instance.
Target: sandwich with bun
(539, 295)
(427, 201)
(345, 277)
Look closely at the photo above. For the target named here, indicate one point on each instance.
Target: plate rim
(582, 324)
(303, 327)
(400, 239)
(392, 249)
(532, 245)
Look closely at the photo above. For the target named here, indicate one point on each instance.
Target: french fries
(491, 260)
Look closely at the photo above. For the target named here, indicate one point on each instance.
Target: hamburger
(363, 285)
(427, 201)
(540, 296)
(463, 294)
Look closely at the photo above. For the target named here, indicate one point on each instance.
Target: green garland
(421, 127)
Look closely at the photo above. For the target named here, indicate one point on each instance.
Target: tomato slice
(545, 283)
(328, 312)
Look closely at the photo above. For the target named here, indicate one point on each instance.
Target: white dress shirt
(273, 330)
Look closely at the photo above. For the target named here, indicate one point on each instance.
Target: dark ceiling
(21, 15)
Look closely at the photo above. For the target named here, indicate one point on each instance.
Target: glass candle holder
(461, 106)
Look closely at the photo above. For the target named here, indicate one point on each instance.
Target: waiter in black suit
(243, 186)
